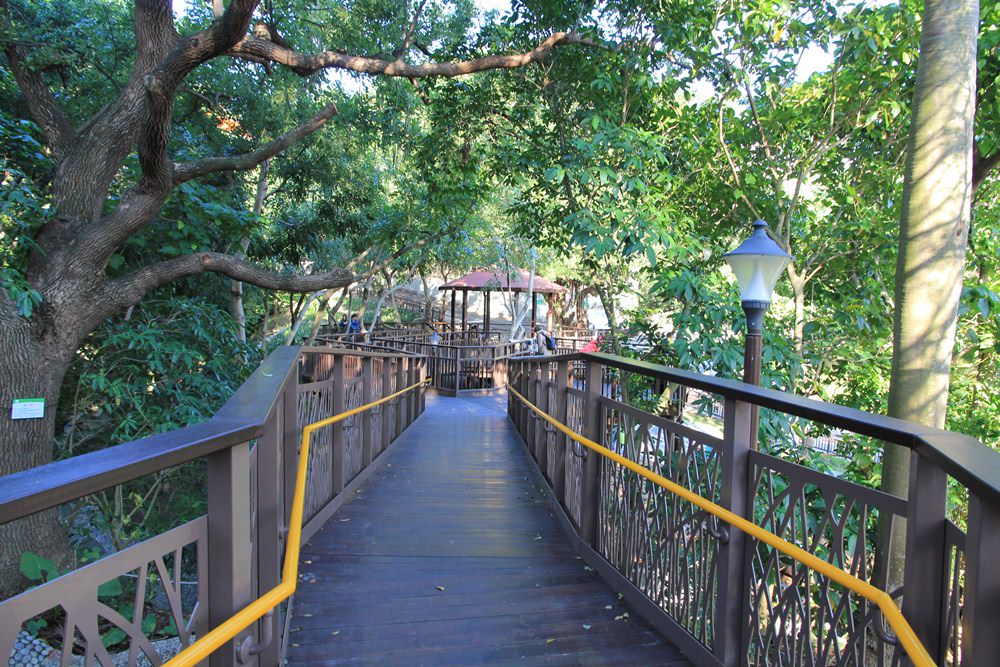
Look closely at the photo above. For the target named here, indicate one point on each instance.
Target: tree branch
(408, 33)
(44, 109)
(406, 249)
(186, 172)
(129, 289)
(732, 164)
(981, 166)
(305, 64)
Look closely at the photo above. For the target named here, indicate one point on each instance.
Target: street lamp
(757, 264)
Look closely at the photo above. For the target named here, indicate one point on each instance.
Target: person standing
(543, 342)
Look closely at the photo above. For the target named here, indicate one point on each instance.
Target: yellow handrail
(225, 631)
(914, 649)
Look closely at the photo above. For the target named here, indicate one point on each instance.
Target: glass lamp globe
(757, 264)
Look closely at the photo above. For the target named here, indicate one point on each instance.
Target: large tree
(934, 231)
(94, 209)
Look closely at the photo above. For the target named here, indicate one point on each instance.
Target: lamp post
(757, 264)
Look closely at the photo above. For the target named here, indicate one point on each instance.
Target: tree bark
(36, 354)
(934, 228)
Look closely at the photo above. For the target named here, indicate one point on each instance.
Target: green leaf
(36, 568)
(112, 637)
(109, 588)
(149, 624)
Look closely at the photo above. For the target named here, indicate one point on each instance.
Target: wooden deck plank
(449, 555)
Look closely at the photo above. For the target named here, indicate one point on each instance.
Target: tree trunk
(933, 234)
(428, 298)
(324, 304)
(608, 303)
(236, 286)
(300, 317)
(36, 356)
(798, 283)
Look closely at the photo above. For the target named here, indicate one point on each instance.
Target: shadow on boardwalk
(449, 555)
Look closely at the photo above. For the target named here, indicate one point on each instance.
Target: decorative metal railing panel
(315, 403)
(554, 441)
(797, 616)
(105, 613)
(574, 457)
(352, 426)
(664, 545)
(954, 598)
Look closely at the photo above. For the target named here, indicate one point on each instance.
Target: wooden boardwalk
(450, 555)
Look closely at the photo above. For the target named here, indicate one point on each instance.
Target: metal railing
(914, 649)
(266, 603)
(763, 596)
(199, 574)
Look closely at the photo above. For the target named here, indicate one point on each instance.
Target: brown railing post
(291, 432)
(422, 392)
(412, 398)
(558, 480)
(387, 424)
(268, 543)
(541, 434)
(593, 428)
(400, 400)
(339, 400)
(732, 610)
(924, 566)
(532, 396)
(981, 615)
(367, 396)
(228, 541)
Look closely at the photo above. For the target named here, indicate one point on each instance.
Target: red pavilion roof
(479, 281)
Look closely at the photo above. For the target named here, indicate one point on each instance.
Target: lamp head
(757, 264)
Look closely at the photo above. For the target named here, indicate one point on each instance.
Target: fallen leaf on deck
(586, 626)
(440, 588)
(549, 641)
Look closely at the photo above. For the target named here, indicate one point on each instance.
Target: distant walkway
(449, 555)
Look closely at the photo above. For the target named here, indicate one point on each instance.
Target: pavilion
(487, 281)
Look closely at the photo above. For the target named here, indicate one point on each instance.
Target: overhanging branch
(186, 172)
(129, 289)
(305, 64)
